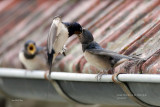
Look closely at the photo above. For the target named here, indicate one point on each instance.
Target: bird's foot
(99, 75)
(64, 50)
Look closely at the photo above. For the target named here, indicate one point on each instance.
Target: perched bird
(99, 57)
(58, 35)
(33, 57)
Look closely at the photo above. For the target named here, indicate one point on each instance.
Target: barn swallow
(33, 57)
(98, 56)
(58, 35)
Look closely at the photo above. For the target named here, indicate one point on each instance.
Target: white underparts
(97, 61)
(61, 38)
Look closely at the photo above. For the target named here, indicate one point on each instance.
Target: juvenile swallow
(98, 56)
(33, 57)
(58, 35)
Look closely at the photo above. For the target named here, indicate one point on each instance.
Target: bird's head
(85, 37)
(73, 28)
(30, 48)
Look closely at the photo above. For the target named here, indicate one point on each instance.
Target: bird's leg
(99, 75)
(64, 50)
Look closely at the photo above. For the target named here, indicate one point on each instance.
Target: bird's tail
(51, 58)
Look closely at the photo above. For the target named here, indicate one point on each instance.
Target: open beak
(31, 49)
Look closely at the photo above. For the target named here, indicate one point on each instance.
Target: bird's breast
(37, 63)
(61, 38)
(97, 60)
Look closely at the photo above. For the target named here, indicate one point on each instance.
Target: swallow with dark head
(33, 57)
(98, 56)
(58, 34)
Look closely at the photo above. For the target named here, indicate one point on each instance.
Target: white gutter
(21, 73)
(150, 78)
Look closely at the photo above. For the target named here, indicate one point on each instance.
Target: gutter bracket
(129, 93)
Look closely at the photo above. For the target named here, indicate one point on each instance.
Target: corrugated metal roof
(125, 26)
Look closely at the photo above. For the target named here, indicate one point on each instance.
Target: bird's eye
(31, 49)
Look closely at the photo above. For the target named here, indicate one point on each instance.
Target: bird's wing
(108, 53)
(53, 33)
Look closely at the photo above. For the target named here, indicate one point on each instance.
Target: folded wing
(53, 33)
(109, 53)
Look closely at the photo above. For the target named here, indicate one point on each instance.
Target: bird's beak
(31, 48)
